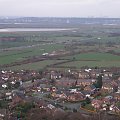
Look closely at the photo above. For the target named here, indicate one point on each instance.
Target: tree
(88, 100)
(32, 80)
(9, 86)
(74, 110)
(115, 88)
(83, 104)
(99, 82)
(17, 84)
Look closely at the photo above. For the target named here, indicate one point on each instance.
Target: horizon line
(56, 17)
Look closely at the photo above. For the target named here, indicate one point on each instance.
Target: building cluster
(58, 90)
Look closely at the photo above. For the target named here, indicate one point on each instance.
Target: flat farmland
(95, 56)
(92, 60)
(79, 64)
(7, 57)
(36, 65)
(103, 41)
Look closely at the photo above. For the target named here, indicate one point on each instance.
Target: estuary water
(32, 29)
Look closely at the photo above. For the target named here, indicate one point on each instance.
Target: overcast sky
(60, 8)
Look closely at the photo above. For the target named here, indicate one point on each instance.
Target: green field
(8, 57)
(35, 66)
(81, 60)
(79, 64)
(93, 60)
(95, 56)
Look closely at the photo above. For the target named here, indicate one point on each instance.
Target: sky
(60, 8)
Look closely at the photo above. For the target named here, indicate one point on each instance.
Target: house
(115, 86)
(53, 89)
(84, 82)
(97, 104)
(91, 91)
(105, 107)
(8, 95)
(90, 88)
(50, 106)
(108, 87)
(86, 93)
(59, 94)
(4, 86)
(108, 74)
(74, 97)
(106, 79)
(115, 109)
(73, 90)
(63, 96)
(2, 113)
(65, 82)
(55, 75)
(84, 75)
(95, 73)
(108, 100)
(118, 89)
(119, 79)
(116, 96)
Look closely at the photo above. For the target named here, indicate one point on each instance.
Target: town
(86, 91)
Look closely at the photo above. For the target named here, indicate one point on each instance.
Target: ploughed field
(87, 45)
